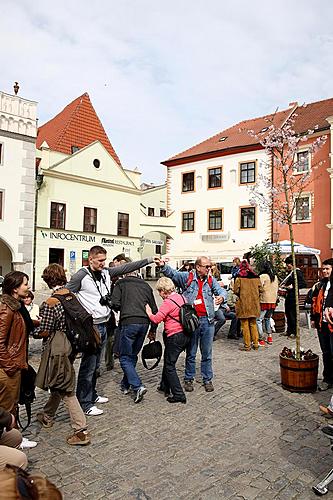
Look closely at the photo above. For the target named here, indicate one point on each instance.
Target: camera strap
(92, 274)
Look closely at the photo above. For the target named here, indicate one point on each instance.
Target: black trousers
(326, 344)
(290, 310)
(174, 346)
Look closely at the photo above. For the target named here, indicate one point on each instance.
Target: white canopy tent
(285, 246)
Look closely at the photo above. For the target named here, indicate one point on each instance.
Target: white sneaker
(94, 411)
(140, 393)
(101, 399)
(27, 444)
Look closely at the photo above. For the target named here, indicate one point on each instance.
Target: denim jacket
(191, 292)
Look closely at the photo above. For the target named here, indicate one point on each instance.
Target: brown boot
(80, 438)
(209, 386)
(189, 386)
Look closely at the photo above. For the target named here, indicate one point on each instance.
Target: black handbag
(27, 393)
(153, 350)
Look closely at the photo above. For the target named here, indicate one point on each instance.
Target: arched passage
(153, 243)
(6, 258)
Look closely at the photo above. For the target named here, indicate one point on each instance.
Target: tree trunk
(298, 336)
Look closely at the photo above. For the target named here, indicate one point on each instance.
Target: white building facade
(212, 210)
(80, 206)
(17, 182)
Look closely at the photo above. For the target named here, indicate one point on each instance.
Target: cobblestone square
(248, 439)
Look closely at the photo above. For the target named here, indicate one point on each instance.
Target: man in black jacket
(290, 303)
(320, 293)
(130, 296)
(10, 439)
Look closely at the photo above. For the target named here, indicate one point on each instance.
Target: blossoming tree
(283, 178)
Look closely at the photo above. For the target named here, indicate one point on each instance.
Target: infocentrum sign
(67, 236)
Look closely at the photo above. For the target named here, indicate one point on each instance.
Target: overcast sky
(165, 75)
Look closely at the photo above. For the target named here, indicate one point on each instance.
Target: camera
(106, 300)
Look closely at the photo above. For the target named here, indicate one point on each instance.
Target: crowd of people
(120, 312)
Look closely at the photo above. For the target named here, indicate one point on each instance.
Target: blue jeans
(202, 336)
(132, 338)
(265, 315)
(221, 316)
(86, 380)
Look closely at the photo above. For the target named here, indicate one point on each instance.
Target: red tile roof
(237, 136)
(313, 114)
(76, 125)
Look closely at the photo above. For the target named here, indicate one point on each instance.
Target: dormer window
(222, 139)
(74, 149)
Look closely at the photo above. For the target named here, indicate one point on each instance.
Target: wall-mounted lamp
(39, 180)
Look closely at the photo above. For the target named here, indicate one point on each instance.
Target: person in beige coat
(248, 288)
(268, 298)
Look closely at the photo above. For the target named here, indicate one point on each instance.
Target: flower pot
(280, 321)
(299, 375)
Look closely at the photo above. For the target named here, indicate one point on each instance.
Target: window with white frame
(302, 163)
(1, 153)
(303, 208)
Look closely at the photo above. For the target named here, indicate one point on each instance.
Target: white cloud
(166, 75)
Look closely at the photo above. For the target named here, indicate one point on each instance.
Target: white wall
(230, 198)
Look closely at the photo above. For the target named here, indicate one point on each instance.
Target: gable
(81, 164)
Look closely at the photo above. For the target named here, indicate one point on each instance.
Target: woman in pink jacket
(175, 339)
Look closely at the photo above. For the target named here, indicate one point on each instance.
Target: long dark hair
(267, 268)
(13, 280)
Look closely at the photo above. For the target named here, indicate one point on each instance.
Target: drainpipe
(39, 183)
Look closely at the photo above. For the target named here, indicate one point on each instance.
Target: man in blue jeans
(199, 289)
(92, 286)
(130, 296)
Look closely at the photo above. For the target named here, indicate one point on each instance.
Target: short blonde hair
(165, 284)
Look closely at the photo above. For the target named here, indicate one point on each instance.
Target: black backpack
(80, 329)
(188, 317)
(27, 393)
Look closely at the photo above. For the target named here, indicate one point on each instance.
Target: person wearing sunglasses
(202, 290)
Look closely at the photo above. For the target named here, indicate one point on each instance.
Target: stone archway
(6, 258)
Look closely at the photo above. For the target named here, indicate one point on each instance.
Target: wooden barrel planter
(280, 321)
(299, 376)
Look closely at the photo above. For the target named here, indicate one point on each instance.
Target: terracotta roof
(76, 125)
(237, 136)
(313, 114)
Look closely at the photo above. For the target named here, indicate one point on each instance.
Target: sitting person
(175, 339)
(221, 315)
(10, 440)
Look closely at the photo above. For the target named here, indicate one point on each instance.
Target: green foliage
(272, 252)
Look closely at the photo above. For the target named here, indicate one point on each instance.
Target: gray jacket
(85, 288)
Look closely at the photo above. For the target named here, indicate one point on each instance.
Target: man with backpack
(199, 289)
(92, 286)
(56, 373)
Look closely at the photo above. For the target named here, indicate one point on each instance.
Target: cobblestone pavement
(248, 439)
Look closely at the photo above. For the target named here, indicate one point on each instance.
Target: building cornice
(17, 136)
(90, 182)
(211, 154)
